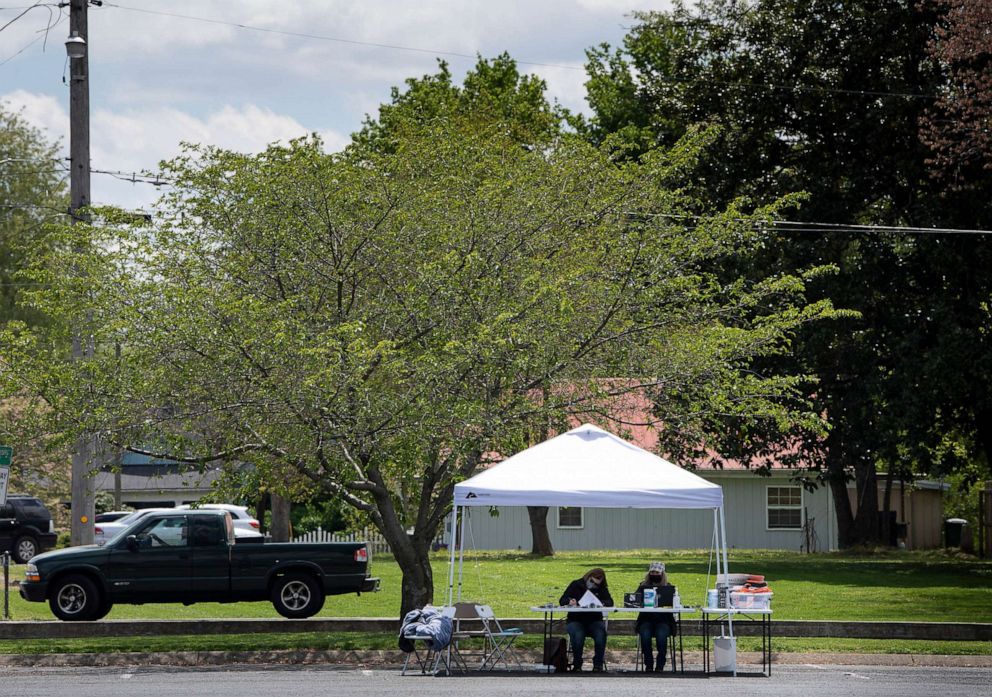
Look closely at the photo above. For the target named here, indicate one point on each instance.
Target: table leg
(706, 644)
(548, 629)
(769, 646)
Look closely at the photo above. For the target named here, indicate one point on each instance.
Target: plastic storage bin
(751, 601)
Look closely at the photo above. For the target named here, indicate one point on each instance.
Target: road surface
(280, 681)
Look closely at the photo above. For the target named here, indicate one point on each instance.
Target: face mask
(654, 579)
(590, 585)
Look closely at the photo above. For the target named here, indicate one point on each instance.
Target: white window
(569, 517)
(785, 507)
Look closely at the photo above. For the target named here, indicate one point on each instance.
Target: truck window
(208, 531)
(164, 532)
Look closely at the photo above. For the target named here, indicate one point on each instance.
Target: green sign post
(6, 452)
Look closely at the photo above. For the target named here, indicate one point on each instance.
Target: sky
(294, 67)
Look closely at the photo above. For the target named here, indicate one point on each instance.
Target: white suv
(239, 514)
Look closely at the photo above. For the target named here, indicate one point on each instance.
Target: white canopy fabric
(591, 468)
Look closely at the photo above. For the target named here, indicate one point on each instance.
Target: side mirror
(132, 543)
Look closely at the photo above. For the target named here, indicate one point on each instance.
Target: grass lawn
(880, 585)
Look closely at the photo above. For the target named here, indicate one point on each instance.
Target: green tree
(494, 88)
(32, 195)
(825, 98)
(373, 323)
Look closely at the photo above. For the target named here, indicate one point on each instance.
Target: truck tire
(75, 598)
(106, 604)
(297, 595)
(25, 547)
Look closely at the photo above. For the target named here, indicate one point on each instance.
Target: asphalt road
(282, 681)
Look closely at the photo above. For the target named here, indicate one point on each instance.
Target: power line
(43, 32)
(809, 226)
(26, 10)
(801, 226)
(135, 177)
(306, 35)
(127, 176)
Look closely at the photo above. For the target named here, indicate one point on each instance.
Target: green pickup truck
(189, 557)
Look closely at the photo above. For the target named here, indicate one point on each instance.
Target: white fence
(377, 544)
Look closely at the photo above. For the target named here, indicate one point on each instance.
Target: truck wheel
(25, 547)
(296, 596)
(75, 598)
(106, 604)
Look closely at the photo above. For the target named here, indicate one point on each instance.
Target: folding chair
(430, 657)
(467, 628)
(571, 649)
(672, 647)
(499, 640)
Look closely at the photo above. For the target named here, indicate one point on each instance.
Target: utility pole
(79, 186)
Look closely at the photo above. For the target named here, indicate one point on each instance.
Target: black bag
(556, 654)
(633, 599)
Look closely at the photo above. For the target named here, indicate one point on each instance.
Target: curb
(394, 659)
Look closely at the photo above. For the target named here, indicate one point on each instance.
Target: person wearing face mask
(652, 625)
(579, 625)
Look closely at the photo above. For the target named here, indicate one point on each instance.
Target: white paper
(590, 600)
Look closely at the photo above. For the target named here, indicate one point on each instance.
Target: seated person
(656, 625)
(583, 624)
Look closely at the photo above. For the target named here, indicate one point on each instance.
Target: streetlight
(75, 45)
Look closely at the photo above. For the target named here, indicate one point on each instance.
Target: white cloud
(158, 78)
(565, 84)
(42, 110)
(136, 140)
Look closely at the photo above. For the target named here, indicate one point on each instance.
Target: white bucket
(725, 654)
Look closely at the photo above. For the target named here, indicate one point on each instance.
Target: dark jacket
(652, 617)
(576, 589)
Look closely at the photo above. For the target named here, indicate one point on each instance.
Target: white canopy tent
(592, 468)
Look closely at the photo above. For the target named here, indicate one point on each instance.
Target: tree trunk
(413, 557)
(842, 510)
(280, 519)
(261, 506)
(866, 518)
(540, 541)
(837, 479)
(418, 583)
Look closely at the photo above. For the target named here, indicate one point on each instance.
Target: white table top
(575, 608)
(734, 611)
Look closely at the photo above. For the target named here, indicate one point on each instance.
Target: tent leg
(451, 546)
(723, 534)
(461, 553)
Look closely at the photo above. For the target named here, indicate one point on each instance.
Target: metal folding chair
(499, 640)
(426, 656)
(468, 639)
(672, 647)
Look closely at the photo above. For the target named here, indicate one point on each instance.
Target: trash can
(724, 654)
(952, 531)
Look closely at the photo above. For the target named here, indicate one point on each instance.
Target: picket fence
(377, 544)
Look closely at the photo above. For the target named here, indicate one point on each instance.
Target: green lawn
(933, 586)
